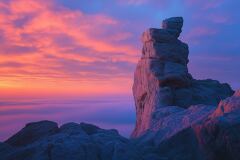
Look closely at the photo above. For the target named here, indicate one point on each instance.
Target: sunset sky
(76, 48)
(81, 47)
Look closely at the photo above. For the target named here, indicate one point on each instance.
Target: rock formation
(161, 78)
(44, 140)
(178, 117)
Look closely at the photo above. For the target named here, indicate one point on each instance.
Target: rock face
(228, 105)
(161, 78)
(178, 117)
(200, 132)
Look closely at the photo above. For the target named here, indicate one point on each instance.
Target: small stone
(173, 25)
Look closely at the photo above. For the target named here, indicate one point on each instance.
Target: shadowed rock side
(178, 117)
(71, 141)
(161, 78)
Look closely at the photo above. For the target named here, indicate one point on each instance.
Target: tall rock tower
(161, 78)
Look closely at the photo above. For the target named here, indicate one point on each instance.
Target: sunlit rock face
(162, 79)
(218, 136)
(228, 105)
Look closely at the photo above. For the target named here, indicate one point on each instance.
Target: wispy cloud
(80, 45)
(48, 43)
(195, 35)
(205, 5)
(134, 2)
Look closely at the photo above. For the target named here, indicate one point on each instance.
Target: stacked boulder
(161, 78)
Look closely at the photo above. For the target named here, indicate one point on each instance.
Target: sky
(71, 47)
(84, 48)
(105, 112)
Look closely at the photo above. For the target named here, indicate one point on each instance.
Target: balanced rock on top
(173, 25)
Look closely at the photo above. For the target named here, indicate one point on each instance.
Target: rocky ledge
(178, 117)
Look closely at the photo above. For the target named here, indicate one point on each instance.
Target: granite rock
(219, 138)
(228, 105)
(72, 141)
(173, 25)
(33, 132)
(162, 79)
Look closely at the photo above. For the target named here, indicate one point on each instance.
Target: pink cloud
(33, 30)
(204, 4)
(132, 2)
(219, 18)
(194, 34)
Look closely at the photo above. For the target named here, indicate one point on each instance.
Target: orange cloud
(44, 44)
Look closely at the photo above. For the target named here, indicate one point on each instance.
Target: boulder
(228, 105)
(32, 132)
(219, 137)
(208, 92)
(174, 52)
(89, 128)
(71, 141)
(157, 35)
(169, 120)
(173, 25)
(72, 129)
(196, 133)
(181, 146)
(5, 150)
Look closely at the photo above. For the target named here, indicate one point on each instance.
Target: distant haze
(106, 112)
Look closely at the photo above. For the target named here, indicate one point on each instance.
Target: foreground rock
(200, 132)
(71, 141)
(219, 136)
(32, 132)
(162, 79)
